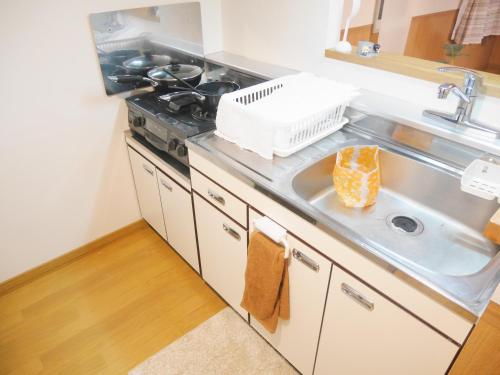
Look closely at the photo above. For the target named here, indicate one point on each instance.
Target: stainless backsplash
(173, 30)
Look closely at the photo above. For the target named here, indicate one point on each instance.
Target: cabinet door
(179, 220)
(364, 333)
(223, 252)
(146, 187)
(297, 339)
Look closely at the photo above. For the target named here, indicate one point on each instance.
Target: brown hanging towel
(266, 296)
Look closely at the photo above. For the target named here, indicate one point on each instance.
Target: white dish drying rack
(284, 115)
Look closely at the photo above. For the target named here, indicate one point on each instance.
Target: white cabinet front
(223, 252)
(297, 338)
(219, 197)
(179, 220)
(364, 333)
(146, 187)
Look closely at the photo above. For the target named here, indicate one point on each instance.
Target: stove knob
(172, 144)
(139, 122)
(182, 151)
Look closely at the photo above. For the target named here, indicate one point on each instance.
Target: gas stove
(149, 118)
(164, 128)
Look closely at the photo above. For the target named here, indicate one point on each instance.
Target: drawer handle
(147, 169)
(358, 297)
(167, 186)
(231, 232)
(216, 197)
(305, 260)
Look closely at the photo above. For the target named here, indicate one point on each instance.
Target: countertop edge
(250, 66)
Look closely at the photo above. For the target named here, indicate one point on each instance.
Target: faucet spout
(445, 88)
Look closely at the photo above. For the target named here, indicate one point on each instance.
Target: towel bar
(274, 231)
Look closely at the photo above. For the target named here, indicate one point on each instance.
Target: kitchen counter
(469, 294)
(273, 178)
(250, 66)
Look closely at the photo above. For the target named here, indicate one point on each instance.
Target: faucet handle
(472, 80)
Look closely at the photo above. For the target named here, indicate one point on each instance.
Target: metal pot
(207, 94)
(161, 80)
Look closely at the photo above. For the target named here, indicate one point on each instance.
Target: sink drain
(405, 224)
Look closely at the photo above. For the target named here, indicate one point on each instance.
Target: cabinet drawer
(223, 252)
(364, 333)
(219, 197)
(297, 338)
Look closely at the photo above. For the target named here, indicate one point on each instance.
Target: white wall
(294, 33)
(365, 15)
(287, 32)
(182, 21)
(65, 174)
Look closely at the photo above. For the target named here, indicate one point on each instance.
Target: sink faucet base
(454, 119)
(467, 97)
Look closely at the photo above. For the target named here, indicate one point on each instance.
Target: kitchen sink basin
(420, 216)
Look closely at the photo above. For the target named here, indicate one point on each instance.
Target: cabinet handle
(216, 197)
(231, 231)
(305, 260)
(167, 186)
(147, 169)
(358, 297)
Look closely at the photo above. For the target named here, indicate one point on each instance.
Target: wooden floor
(104, 313)
(481, 353)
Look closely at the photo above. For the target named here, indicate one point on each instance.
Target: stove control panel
(158, 136)
(139, 121)
(157, 129)
(182, 151)
(172, 144)
(136, 121)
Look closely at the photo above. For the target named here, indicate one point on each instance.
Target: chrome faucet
(467, 96)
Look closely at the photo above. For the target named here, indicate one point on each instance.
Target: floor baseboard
(32, 274)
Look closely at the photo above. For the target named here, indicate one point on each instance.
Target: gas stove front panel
(159, 135)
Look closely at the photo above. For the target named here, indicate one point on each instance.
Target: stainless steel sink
(422, 224)
(420, 216)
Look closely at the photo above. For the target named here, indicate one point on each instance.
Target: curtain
(476, 20)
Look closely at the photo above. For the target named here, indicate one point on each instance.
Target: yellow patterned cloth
(356, 175)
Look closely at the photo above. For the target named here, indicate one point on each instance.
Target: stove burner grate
(176, 106)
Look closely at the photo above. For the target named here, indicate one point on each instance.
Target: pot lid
(146, 62)
(183, 71)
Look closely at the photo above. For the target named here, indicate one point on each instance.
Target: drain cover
(405, 224)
